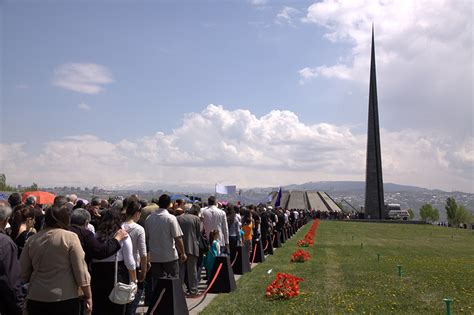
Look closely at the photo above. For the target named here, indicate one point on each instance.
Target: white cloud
(465, 153)
(83, 106)
(257, 2)
(286, 16)
(11, 152)
(88, 78)
(308, 73)
(22, 86)
(423, 55)
(338, 72)
(218, 145)
(13, 161)
(406, 32)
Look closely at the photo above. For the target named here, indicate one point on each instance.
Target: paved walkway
(197, 305)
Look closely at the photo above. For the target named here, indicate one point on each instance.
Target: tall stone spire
(374, 198)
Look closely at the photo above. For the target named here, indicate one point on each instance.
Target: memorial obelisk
(374, 198)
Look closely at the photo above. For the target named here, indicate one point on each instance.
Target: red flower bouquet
(285, 286)
(305, 242)
(309, 237)
(300, 256)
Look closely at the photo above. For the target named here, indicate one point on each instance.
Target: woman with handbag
(113, 272)
(137, 235)
(52, 261)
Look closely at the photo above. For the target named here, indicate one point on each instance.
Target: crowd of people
(64, 258)
(336, 215)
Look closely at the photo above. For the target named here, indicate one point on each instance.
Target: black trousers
(65, 307)
(233, 240)
(102, 283)
(168, 269)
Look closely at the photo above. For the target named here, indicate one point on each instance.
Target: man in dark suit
(191, 227)
(265, 226)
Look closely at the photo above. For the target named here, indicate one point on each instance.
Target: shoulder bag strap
(116, 269)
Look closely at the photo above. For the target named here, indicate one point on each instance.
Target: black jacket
(11, 295)
(93, 248)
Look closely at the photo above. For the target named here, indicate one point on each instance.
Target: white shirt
(161, 229)
(296, 214)
(234, 228)
(216, 219)
(91, 228)
(137, 234)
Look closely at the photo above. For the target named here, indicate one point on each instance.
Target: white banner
(225, 190)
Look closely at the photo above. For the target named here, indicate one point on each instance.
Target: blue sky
(166, 59)
(116, 74)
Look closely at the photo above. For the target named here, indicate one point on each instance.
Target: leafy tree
(451, 209)
(5, 187)
(428, 213)
(412, 214)
(3, 184)
(33, 187)
(462, 216)
(425, 211)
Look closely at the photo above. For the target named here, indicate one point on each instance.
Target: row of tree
(5, 187)
(456, 214)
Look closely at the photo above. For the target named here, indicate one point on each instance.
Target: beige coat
(52, 261)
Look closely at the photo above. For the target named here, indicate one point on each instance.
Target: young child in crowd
(214, 251)
(248, 233)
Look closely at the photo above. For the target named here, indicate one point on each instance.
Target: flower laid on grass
(304, 243)
(285, 286)
(308, 239)
(300, 256)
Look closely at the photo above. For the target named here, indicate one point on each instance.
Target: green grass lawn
(344, 277)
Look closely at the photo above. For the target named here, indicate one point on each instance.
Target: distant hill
(332, 186)
(328, 186)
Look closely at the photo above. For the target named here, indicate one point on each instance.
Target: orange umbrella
(42, 197)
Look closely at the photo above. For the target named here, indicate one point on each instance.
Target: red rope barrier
(158, 301)
(235, 259)
(210, 285)
(254, 252)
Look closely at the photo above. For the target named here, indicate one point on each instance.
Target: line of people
(60, 258)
